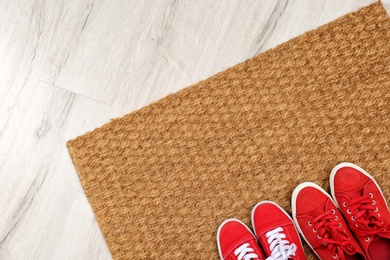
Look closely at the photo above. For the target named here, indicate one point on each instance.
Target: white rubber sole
(220, 228)
(354, 166)
(273, 203)
(294, 207)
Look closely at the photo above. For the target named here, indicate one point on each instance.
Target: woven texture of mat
(161, 179)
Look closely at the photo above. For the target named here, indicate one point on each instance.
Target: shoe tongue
(368, 186)
(328, 204)
(364, 188)
(321, 208)
(355, 193)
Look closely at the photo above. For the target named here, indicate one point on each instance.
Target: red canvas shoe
(321, 224)
(276, 232)
(236, 242)
(364, 207)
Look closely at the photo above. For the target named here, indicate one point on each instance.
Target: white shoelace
(280, 247)
(244, 252)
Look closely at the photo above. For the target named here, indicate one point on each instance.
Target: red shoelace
(332, 234)
(364, 212)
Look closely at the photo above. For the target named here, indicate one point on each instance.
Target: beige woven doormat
(161, 179)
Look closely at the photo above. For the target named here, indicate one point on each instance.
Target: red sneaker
(364, 207)
(236, 242)
(321, 224)
(276, 232)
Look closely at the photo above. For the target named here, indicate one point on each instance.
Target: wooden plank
(130, 54)
(44, 212)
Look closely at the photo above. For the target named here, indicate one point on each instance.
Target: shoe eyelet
(325, 244)
(314, 230)
(356, 225)
(336, 218)
(367, 239)
(309, 223)
(376, 209)
(353, 218)
(335, 256)
(373, 202)
(371, 196)
(319, 236)
(333, 211)
(340, 225)
(349, 212)
(379, 215)
(344, 204)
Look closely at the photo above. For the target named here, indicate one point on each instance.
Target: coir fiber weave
(161, 179)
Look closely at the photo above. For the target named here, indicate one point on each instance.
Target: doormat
(160, 180)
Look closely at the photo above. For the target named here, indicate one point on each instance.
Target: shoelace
(280, 247)
(330, 231)
(364, 212)
(244, 252)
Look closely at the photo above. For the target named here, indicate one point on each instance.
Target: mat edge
(377, 4)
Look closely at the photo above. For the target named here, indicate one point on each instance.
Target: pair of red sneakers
(273, 229)
(354, 225)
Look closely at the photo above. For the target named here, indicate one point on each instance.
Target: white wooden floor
(70, 66)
